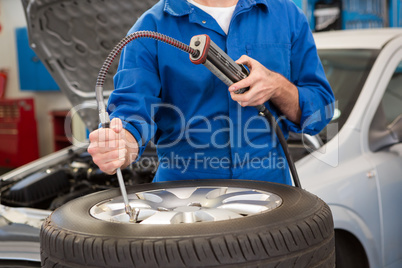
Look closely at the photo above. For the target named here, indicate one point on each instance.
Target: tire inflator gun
(204, 51)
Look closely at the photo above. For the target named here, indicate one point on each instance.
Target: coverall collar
(182, 7)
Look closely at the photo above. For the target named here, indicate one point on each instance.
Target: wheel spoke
(169, 217)
(160, 196)
(235, 196)
(246, 207)
(143, 204)
(216, 214)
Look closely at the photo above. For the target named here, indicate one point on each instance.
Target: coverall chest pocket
(275, 57)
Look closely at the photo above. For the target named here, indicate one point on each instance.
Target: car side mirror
(396, 128)
(382, 135)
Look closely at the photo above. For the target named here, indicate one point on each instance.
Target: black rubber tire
(299, 233)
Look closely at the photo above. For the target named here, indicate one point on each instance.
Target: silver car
(358, 172)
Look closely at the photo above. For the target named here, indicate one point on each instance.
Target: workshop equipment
(18, 132)
(3, 83)
(204, 51)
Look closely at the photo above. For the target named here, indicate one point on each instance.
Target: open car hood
(73, 38)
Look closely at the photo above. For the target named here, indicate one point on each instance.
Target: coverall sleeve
(316, 98)
(137, 90)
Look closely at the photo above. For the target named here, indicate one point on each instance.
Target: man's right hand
(112, 148)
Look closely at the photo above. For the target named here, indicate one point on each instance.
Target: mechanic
(201, 128)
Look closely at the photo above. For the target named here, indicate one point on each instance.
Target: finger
(245, 97)
(104, 135)
(101, 148)
(111, 156)
(93, 148)
(93, 136)
(246, 60)
(242, 103)
(236, 97)
(113, 161)
(116, 125)
(111, 167)
(246, 82)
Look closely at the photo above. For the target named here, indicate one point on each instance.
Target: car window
(388, 110)
(346, 71)
(392, 99)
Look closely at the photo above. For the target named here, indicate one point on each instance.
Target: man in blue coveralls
(201, 128)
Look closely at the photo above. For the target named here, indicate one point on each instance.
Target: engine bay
(53, 186)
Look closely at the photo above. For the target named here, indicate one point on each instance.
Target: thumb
(116, 125)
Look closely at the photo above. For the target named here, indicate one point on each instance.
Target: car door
(384, 152)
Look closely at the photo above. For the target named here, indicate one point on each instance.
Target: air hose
(201, 50)
(136, 35)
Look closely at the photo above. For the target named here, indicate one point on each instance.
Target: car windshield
(346, 71)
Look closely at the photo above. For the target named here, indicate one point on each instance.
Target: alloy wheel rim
(187, 205)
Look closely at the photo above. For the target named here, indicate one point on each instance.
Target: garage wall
(11, 17)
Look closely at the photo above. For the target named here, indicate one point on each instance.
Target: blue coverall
(200, 132)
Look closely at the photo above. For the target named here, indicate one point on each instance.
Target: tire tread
(297, 245)
(304, 237)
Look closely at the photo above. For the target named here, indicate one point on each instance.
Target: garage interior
(36, 118)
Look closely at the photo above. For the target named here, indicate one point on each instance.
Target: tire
(298, 233)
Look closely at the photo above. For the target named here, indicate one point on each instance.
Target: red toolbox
(18, 132)
(3, 82)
